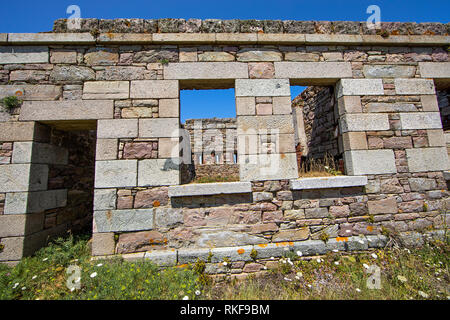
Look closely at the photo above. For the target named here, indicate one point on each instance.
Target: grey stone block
(427, 159)
(34, 54)
(275, 250)
(66, 110)
(117, 128)
(388, 71)
(359, 87)
(159, 128)
(328, 182)
(357, 243)
(115, 173)
(162, 258)
(32, 92)
(13, 249)
(191, 255)
(435, 70)
(232, 253)
(23, 177)
(103, 244)
(210, 189)
(123, 220)
(310, 247)
(168, 217)
(103, 90)
(106, 149)
(158, 172)
(216, 237)
(378, 241)
(23, 131)
(268, 125)
(154, 89)
(40, 153)
(414, 86)
(313, 70)
(364, 122)
(268, 167)
(206, 70)
(14, 225)
(362, 162)
(262, 87)
(105, 199)
(33, 202)
(420, 120)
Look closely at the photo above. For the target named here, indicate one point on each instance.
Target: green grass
(43, 276)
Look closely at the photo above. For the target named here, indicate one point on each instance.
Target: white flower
(23, 288)
(290, 262)
(100, 264)
(93, 275)
(299, 274)
(423, 294)
(197, 292)
(224, 263)
(319, 260)
(358, 290)
(15, 285)
(309, 286)
(45, 259)
(374, 256)
(34, 277)
(365, 266)
(299, 253)
(185, 298)
(297, 277)
(336, 263)
(287, 279)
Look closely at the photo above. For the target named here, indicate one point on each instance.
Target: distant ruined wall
(321, 128)
(213, 147)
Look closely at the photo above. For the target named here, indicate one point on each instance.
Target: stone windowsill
(204, 189)
(328, 182)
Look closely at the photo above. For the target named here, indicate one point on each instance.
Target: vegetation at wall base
(405, 274)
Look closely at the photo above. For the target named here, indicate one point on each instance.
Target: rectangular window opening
(208, 118)
(314, 110)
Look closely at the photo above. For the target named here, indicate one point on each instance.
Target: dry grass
(212, 179)
(323, 167)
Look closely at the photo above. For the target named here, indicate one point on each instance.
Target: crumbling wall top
(250, 26)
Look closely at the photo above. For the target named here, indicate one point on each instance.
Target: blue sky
(38, 16)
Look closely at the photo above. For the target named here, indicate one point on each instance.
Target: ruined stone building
(91, 139)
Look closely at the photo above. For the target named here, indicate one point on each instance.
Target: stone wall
(126, 87)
